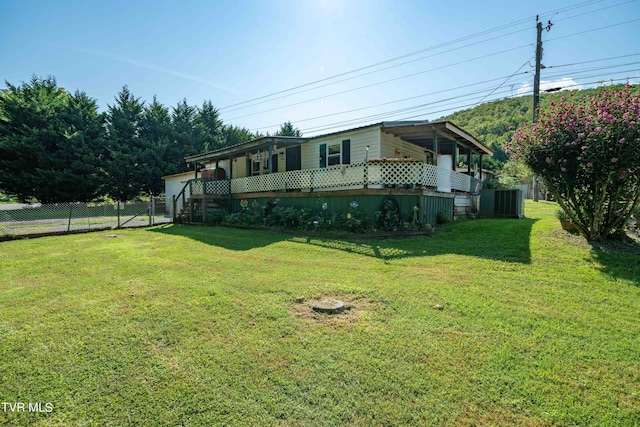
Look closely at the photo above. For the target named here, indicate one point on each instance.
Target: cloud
(151, 67)
(631, 80)
(565, 83)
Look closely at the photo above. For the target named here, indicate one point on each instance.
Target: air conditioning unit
(501, 204)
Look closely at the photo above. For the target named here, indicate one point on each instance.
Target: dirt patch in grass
(630, 243)
(302, 308)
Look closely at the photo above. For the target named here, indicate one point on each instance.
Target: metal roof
(244, 147)
(418, 132)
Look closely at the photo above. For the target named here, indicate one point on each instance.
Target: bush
(588, 153)
(388, 217)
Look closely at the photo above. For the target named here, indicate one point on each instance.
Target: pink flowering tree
(588, 154)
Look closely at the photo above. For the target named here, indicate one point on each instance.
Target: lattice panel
(238, 185)
(429, 175)
(217, 187)
(460, 182)
(397, 173)
(385, 173)
(196, 187)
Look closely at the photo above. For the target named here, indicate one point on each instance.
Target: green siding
(429, 206)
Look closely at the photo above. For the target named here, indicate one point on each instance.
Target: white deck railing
(358, 174)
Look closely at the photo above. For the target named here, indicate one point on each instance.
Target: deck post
(204, 207)
(469, 161)
(190, 201)
(435, 146)
(455, 154)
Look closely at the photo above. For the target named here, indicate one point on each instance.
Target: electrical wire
(457, 106)
(506, 80)
(475, 35)
(594, 60)
(407, 76)
(382, 82)
(592, 30)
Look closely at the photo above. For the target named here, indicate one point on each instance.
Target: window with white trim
(333, 154)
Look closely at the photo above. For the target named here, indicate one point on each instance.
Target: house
(412, 162)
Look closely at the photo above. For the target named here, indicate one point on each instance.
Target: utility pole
(536, 88)
(536, 77)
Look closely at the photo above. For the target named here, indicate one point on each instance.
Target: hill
(490, 122)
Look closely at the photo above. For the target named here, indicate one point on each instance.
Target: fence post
(69, 223)
(118, 209)
(151, 202)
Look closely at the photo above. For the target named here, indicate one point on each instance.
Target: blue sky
(231, 52)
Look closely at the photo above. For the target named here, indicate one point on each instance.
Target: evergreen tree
(209, 127)
(124, 166)
(185, 141)
(50, 143)
(234, 135)
(155, 133)
(287, 129)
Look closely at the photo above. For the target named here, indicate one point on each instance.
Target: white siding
(395, 147)
(172, 186)
(310, 151)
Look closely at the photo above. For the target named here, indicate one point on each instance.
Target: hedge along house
(411, 162)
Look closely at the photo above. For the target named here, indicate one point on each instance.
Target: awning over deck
(259, 144)
(440, 137)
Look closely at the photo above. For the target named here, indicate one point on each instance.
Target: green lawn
(186, 325)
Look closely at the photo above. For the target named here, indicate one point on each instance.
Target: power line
(506, 80)
(383, 82)
(593, 29)
(372, 72)
(391, 102)
(594, 11)
(594, 60)
(457, 106)
(475, 35)
(414, 74)
(427, 94)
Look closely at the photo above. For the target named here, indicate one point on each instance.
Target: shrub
(588, 153)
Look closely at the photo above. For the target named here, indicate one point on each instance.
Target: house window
(335, 154)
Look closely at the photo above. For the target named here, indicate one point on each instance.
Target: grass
(187, 325)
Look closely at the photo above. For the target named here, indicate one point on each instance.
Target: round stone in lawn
(329, 306)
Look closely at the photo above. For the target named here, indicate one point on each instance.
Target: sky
(324, 65)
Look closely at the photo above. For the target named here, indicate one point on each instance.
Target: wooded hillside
(491, 122)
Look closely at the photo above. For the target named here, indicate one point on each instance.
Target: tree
(185, 141)
(51, 143)
(588, 153)
(236, 135)
(209, 127)
(124, 166)
(287, 129)
(155, 135)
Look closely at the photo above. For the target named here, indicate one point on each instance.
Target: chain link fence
(36, 219)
